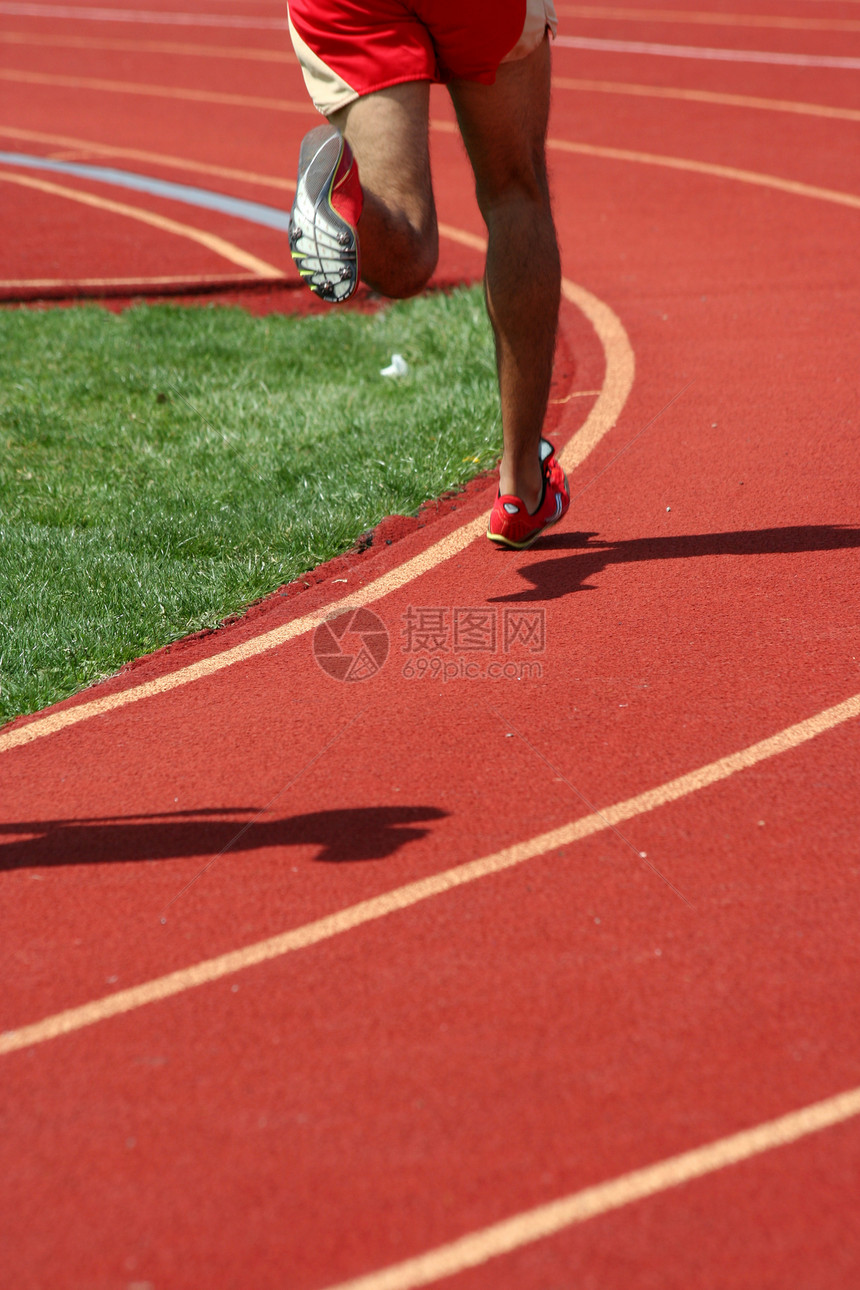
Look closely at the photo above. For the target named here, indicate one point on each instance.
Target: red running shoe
(326, 210)
(510, 523)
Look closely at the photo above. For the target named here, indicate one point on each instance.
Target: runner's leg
(504, 130)
(388, 134)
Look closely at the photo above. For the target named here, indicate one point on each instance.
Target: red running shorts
(349, 48)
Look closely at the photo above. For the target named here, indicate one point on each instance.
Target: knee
(522, 184)
(406, 271)
(405, 280)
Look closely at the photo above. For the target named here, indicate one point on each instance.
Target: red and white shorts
(349, 48)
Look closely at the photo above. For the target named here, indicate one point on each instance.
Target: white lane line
(155, 17)
(687, 17)
(302, 107)
(225, 204)
(754, 177)
(701, 52)
(706, 96)
(546, 1220)
(602, 417)
(149, 47)
(219, 245)
(87, 146)
(164, 281)
(413, 893)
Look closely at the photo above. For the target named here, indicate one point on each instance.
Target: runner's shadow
(553, 578)
(362, 833)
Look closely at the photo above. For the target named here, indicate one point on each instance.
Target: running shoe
(326, 210)
(510, 522)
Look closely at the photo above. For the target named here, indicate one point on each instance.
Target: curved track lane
(631, 960)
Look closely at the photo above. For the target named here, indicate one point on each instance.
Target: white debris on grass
(397, 367)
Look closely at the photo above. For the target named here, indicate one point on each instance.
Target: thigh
(388, 133)
(504, 124)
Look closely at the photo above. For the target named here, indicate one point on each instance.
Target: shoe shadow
(361, 833)
(553, 578)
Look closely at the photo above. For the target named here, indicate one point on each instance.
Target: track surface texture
(306, 979)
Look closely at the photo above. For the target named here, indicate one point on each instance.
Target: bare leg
(504, 130)
(387, 132)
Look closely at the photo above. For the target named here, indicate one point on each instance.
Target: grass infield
(164, 467)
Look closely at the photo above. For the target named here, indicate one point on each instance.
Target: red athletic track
(344, 1107)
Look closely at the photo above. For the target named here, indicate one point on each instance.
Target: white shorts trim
(329, 92)
(540, 14)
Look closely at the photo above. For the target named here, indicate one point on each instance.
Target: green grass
(164, 467)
